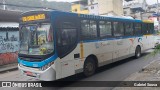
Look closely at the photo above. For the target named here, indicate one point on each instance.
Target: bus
(56, 44)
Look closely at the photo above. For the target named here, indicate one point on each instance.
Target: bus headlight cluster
(47, 66)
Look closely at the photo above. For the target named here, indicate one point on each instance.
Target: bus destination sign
(33, 17)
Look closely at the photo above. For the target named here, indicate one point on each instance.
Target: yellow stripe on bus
(148, 35)
(82, 50)
(148, 21)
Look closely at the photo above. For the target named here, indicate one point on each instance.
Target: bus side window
(69, 33)
(138, 29)
(144, 28)
(150, 28)
(128, 29)
(105, 29)
(88, 30)
(118, 29)
(67, 38)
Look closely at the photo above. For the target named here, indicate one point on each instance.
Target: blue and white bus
(56, 44)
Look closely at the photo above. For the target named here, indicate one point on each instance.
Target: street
(113, 72)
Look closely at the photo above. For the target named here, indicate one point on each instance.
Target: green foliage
(156, 50)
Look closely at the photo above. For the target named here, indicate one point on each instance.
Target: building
(93, 7)
(79, 7)
(105, 7)
(137, 9)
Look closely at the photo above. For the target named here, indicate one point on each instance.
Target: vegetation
(156, 50)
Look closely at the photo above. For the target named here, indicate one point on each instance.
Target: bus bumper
(47, 75)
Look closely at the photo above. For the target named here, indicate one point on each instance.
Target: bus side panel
(105, 53)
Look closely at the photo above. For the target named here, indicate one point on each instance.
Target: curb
(9, 67)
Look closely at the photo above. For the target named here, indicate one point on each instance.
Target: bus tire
(138, 52)
(89, 67)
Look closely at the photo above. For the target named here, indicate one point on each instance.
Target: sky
(148, 1)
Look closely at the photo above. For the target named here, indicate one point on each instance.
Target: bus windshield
(36, 39)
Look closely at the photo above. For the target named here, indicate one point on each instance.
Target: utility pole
(4, 5)
(157, 7)
(158, 13)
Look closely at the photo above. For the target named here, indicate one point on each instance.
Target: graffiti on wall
(9, 41)
(9, 44)
(7, 58)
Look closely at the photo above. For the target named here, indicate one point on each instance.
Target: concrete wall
(9, 45)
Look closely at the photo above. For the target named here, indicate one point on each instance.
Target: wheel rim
(89, 67)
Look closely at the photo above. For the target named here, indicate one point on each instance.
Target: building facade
(79, 7)
(98, 7)
(105, 7)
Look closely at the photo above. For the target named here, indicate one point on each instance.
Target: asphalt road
(113, 72)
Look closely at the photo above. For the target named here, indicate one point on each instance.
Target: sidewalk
(150, 72)
(8, 67)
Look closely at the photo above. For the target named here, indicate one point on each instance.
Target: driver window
(68, 34)
(67, 38)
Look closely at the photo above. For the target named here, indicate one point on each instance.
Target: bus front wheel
(89, 67)
(138, 52)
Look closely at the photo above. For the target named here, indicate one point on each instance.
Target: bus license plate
(29, 73)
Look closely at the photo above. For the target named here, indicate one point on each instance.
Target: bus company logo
(132, 40)
(6, 84)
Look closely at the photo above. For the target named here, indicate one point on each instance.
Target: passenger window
(150, 28)
(144, 28)
(118, 29)
(129, 29)
(105, 29)
(88, 29)
(138, 28)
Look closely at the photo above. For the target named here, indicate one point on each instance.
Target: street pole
(4, 5)
(158, 13)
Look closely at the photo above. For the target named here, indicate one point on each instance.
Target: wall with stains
(9, 45)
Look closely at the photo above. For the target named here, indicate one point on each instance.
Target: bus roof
(112, 18)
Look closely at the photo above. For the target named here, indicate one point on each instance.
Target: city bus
(56, 44)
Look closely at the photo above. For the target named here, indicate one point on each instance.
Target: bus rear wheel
(138, 52)
(89, 67)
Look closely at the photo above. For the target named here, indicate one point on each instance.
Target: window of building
(125, 12)
(118, 29)
(105, 29)
(92, 7)
(75, 10)
(128, 29)
(88, 29)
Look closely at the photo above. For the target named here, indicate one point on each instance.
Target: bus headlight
(47, 66)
